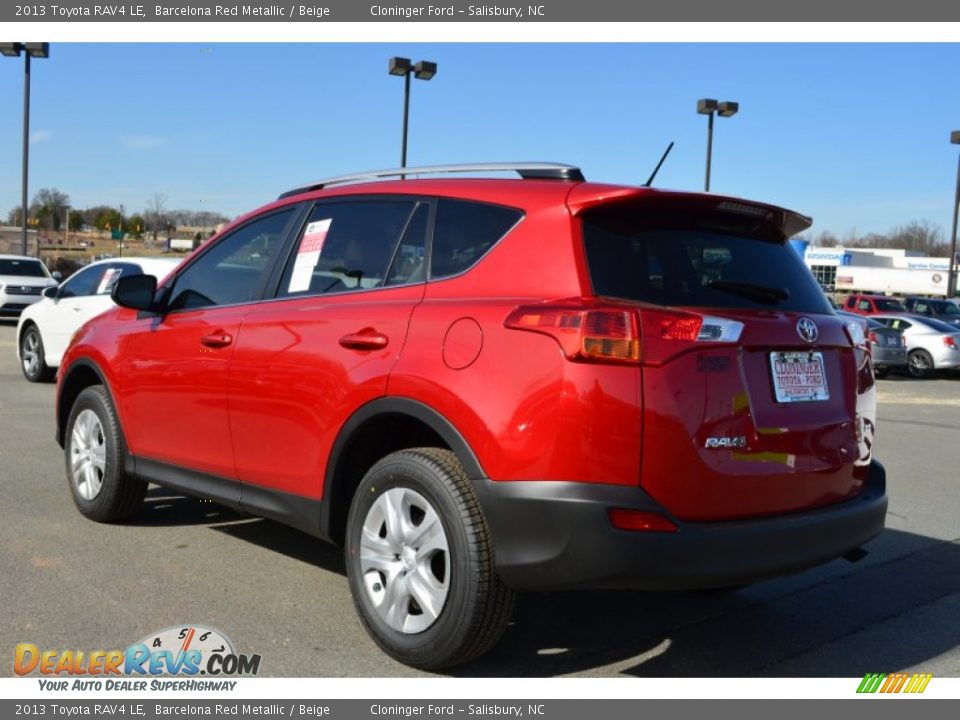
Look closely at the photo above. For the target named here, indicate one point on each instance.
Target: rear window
(22, 268)
(634, 257)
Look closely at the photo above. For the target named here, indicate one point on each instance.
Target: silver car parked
(931, 344)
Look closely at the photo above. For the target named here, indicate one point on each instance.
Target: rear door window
(348, 246)
(694, 267)
(464, 232)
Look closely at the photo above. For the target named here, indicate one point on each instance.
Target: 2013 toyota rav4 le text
(480, 386)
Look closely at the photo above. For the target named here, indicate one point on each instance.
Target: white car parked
(22, 279)
(46, 327)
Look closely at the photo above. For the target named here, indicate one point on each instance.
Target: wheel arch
(81, 374)
(376, 429)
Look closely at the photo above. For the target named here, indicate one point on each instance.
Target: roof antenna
(663, 157)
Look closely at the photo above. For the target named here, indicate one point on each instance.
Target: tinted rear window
(651, 262)
(22, 268)
(464, 232)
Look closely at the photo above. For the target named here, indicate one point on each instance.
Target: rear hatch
(758, 399)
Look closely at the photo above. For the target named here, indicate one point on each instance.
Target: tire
(94, 451)
(920, 364)
(881, 373)
(430, 599)
(32, 359)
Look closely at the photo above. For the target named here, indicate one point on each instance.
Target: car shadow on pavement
(894, 610)
(164, 507)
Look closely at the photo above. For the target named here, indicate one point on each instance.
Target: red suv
(480, 386)
(873, 304)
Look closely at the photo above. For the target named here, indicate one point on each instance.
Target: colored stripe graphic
(894, 683)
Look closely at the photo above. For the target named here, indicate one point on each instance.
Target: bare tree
(826, 239)
(920, 235)
(156, 215)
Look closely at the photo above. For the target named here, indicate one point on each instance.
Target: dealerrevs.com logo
(183, 651)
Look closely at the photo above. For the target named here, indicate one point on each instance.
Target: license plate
(798, 377)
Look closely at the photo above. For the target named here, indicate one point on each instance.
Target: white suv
(22, 279)
(46, 327)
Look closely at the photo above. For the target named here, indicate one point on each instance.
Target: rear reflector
(640, 521)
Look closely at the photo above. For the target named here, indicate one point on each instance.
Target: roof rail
(526, 170)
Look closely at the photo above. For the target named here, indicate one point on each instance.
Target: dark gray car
(888, 349)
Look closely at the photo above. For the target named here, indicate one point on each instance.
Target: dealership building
(880, 270)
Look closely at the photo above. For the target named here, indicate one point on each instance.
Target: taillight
(613, 334)
(602, 334)
(667, 333)
(857, 333)
(872, 337)
(950, 342)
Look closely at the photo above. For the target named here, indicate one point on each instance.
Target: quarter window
(464, 232)
(234, 269)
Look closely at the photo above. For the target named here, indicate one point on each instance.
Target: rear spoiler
(587, 196)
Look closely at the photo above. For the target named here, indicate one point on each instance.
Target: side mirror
(135, 292)
(50, 292)
(57, 275)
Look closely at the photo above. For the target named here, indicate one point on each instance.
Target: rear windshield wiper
(763, 293)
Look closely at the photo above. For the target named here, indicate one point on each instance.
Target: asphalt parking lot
(70, 583)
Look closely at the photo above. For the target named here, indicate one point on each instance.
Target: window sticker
(308, 255)
(108, 280)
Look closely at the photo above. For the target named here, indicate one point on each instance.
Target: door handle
(366, 339)
(217, 339)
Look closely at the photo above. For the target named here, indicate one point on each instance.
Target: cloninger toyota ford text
(484, 386)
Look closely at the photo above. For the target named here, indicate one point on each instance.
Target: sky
(854, 134)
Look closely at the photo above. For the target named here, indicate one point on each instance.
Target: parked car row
(930, 329)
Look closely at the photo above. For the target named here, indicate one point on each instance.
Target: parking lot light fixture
(29, 50)
(952, 273)
(711, 107)
(423, 70)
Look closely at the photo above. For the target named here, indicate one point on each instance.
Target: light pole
(952, 275)
(423, 70)
(37, 50)
(708, 107)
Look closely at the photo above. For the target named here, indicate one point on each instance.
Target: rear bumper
(557, 535)
(889, 357)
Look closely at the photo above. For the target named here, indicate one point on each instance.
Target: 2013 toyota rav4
(480, 386)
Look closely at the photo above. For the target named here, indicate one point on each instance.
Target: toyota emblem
(807, 330)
